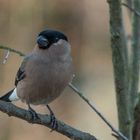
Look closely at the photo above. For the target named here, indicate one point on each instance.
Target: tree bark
(120, 66)
(135, 67)
(63, 128)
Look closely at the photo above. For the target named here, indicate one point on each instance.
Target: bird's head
(48, 37)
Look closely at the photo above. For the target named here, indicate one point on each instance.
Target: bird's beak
(42, 42)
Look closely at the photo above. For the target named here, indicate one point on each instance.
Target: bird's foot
(53, 120)
(33, 113)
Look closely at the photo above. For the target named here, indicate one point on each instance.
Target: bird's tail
(6, 97)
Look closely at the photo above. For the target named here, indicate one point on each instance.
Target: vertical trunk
(135, 71)
(120, 65)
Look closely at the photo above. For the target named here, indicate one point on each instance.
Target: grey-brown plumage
(45, 72)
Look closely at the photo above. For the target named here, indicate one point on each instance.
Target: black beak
(42, 42)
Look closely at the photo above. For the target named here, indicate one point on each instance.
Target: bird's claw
(34, 115)
(53, 122)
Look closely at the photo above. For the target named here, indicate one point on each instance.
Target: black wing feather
(20, 76)
(21, 72)
(6, 96)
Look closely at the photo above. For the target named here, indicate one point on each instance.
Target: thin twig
(129, 2)
(131, 9)
(12, 50)
(98, 113)
(6, 57)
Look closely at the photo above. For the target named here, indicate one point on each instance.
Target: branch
(136, 128)
(129, 2)
(120, 66)
(44, 120)
(131, 9)
(135, 67)
(119, 134)
(12, 50)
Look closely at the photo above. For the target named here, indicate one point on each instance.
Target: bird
(44, 73)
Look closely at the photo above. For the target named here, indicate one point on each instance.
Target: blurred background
(86, 23)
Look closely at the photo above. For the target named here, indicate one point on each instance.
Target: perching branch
(44, 120)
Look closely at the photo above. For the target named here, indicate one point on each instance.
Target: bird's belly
(40, 94)
(44, 87)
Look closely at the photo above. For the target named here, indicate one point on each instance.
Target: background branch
(134, 71)
(131, 9)
(120, 66)
(117, 133)
(135, 67)
(12, 50)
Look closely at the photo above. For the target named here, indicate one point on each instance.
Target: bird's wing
(21, 72)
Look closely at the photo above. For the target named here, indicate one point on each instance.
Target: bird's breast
(45, 81)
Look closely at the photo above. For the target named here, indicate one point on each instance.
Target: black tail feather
(6, 96)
